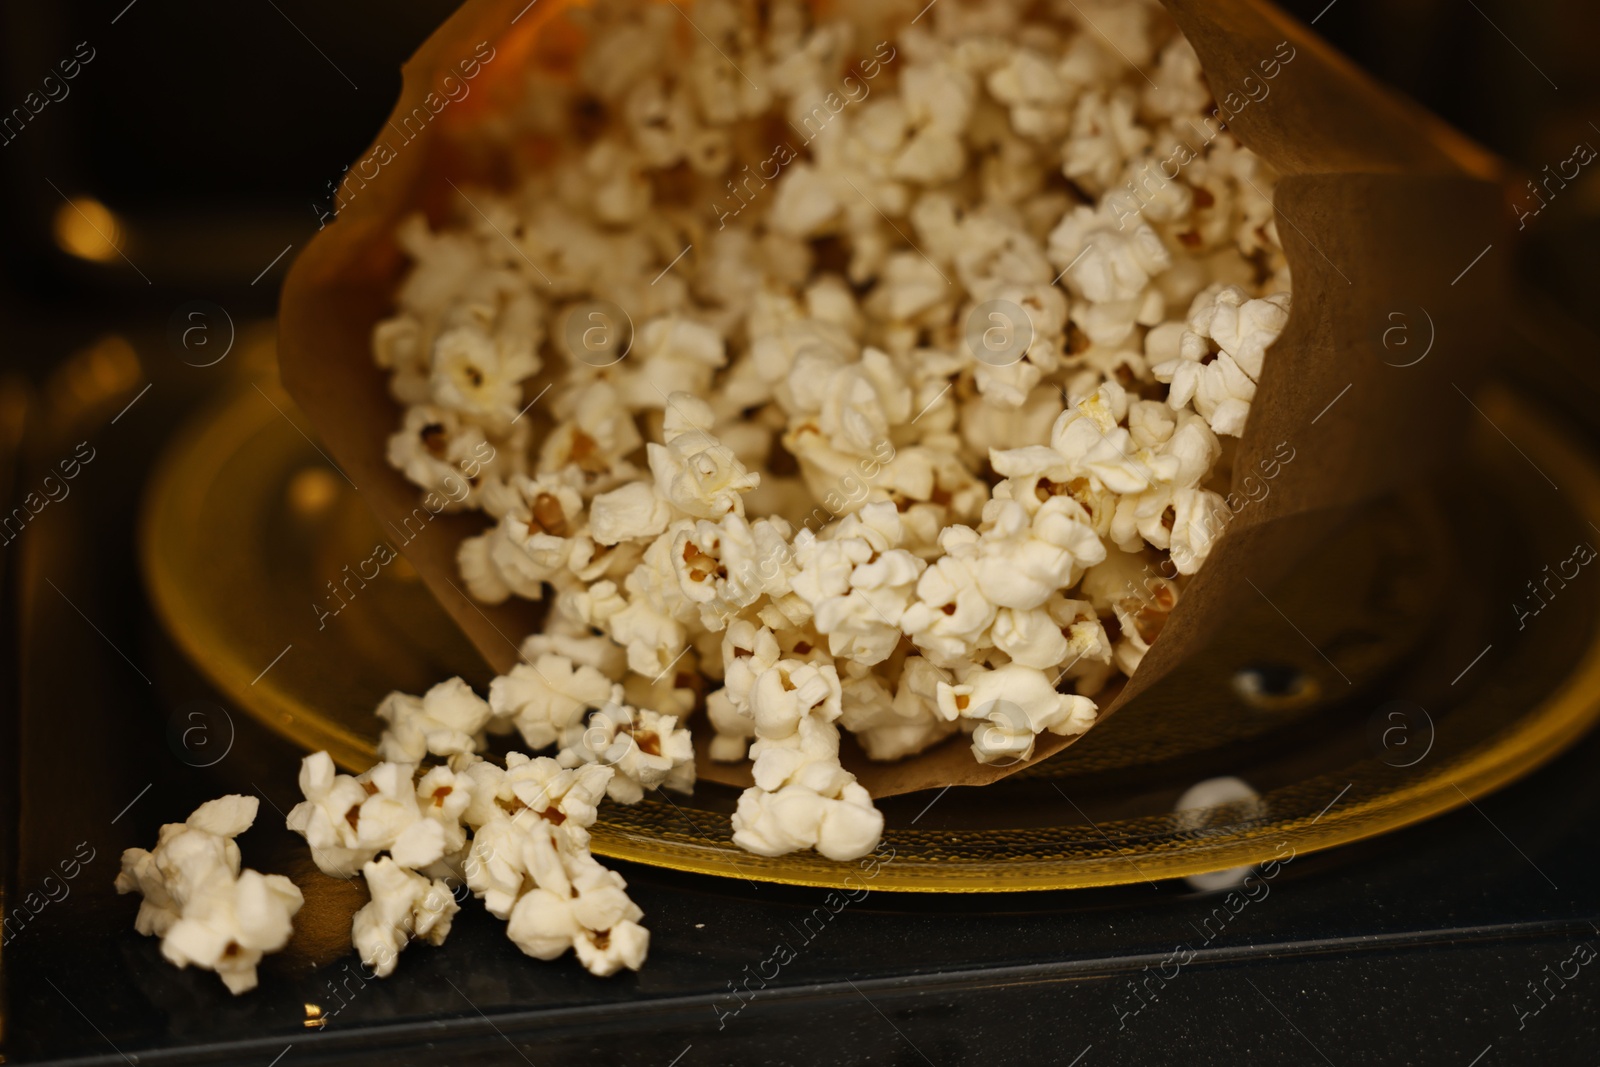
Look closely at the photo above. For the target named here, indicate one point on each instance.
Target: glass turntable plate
(1417, 694)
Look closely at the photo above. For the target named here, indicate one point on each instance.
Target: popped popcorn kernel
(207, 910)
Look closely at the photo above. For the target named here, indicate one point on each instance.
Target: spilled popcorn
(890, 385)
(515, 836)
(197, 899)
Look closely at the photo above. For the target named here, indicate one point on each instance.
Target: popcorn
(1029, 85)
(748, 651)
(939, 95)
(1030, 637)
(989, 424)
(733, 728)
(1015, 704)
(1109, 260)
(558, 795)
(1179, 87)
(475, 377)
(404, 905)
(891, 727)
(858, 584)
(434, 448)
(727, 566)
(674, 355)
(950, 619)
(863, 623)
(654, 639)
(910, 287)
(932, 156)
(797, 817)
(479, 572)
(348, 820)
(511, 807)
(647, 750)
(622, 944)
(693, 471)
(861, 402)
(803, 798)
(544, 697)
(227, 926)
(677, 693)
(593, 916)
(398, 347)
(197, 899)
(184, 855)
(1140, 599)
(1095, 446)
(529, 861)
(444, 797)
(1221, 355)
(565, 634)
(633, 512)
(1179, 457)
(1195, 526)
(329, 816)
(594, 438)
(790, 691)
(534, 541)
(447, 719)
(1105, 134)
(1023, 559)
(805, 203)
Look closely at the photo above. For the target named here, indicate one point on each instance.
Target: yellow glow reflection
(86, 228)
(312, 491)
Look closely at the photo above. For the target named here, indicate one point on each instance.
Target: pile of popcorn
(891, 384)
(516, 835)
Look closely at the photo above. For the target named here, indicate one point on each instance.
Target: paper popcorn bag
(1389, 221)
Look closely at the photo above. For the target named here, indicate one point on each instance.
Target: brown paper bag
(1382, 211)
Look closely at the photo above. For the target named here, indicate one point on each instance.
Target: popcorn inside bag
(774, 456)
(833, 380)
